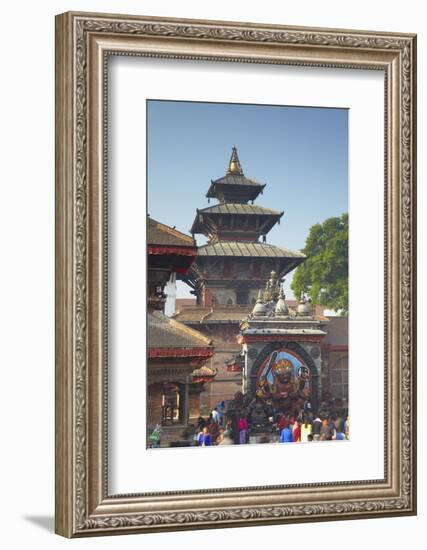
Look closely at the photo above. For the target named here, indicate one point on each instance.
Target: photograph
(247, 274)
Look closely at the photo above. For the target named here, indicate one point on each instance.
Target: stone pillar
(194, 393)
(251, 354)
(185, 405)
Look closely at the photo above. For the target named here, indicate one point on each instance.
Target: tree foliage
(324, 275)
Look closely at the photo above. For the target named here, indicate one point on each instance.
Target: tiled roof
(164, 332)
(247, 249)
(230, 208)
(161, 234)
(192, 314)
(217, 314)
(235, 179)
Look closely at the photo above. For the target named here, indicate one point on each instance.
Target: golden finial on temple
(234, 166)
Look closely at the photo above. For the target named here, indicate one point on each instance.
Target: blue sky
(301, 153)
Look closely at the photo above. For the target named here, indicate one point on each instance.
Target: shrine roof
(161, 234)
(238, 208)
(247, 249)
(164, 333)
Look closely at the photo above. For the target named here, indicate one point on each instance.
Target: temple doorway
(171, 403)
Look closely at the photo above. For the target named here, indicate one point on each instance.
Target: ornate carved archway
(298, 350)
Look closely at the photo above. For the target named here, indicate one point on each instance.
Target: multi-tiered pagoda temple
(236, 261)
(229, 271)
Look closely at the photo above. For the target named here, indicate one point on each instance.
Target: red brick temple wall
(226, 384)
(154, 404)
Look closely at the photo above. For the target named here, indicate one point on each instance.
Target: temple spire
(234, 166)
(281, 306)
(259, 309)
(234, 187)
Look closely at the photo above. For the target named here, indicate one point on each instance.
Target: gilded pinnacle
(234, 166)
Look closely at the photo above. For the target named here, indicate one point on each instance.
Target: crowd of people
(257, 424)
(320, 428)
(215, 430)
(283, 428)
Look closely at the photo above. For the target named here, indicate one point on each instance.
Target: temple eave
(247, 338)
(180, 352)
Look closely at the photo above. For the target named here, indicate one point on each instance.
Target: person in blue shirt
(221, 410)
(286, 435)
(205, 438)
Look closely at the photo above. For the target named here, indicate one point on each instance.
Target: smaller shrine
(282, 353)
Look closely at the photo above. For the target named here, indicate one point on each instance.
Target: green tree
(324, 275)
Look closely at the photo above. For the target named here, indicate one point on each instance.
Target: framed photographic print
(235, 274)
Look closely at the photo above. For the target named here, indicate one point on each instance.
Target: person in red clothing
(296, 432)
(243, 430)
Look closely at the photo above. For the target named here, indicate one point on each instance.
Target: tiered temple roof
(238, 208)
(252, 250)
(236, 258)
(235, 186)
(218, 219)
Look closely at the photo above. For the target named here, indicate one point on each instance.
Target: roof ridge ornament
(234, 166)
(304, 307)
(281, 308)
(260, 309)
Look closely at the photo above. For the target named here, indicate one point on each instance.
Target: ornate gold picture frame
(84, 41)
